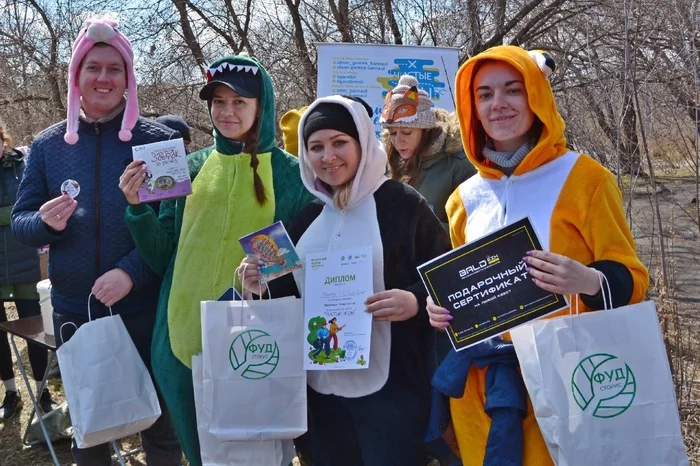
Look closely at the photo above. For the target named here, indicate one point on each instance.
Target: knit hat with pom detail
(407, 106)
(94, 31)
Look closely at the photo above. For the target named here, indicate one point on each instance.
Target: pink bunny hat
(94, 31)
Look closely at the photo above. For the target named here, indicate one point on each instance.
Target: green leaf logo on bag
(254, 354)
(605, 383)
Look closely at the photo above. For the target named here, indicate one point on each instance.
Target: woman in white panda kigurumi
(375, 416)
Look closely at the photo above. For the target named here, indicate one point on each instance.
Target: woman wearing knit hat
(375, 416)
(514, 135)
(423, 144)
(240, 184)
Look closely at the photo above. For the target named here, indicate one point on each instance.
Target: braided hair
(251, 147)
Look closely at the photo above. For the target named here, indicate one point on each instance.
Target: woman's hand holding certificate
(392, 305)
(559, 274)
(439, 316)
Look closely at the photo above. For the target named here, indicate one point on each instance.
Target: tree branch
(189, 36)
(398, 40)
(27, 98)
(341, 13)
(223, 34)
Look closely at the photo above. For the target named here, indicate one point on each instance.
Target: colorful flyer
(339, 329)
(486, 287)
(167, 174)
(272, 246)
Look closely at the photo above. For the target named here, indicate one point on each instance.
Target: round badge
(70, 187)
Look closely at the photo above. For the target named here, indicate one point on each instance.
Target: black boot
(45, 401)
(11, 404)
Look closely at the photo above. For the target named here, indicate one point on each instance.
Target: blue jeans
(385, 428)
(159, 441)
(322, 344)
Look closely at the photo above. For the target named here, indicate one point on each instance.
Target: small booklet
(486, 287)
(167, 174)
(272, 246)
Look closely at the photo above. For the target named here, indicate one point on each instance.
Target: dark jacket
(443, 165)
(18, 263)
(96, 239)
(410, 237)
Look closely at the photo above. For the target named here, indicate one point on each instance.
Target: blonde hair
(3, 134)
(341, 196)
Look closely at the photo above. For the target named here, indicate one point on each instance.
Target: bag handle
(60, 330)
(607, 303)
(604, 286)
(238, 273)
(90, 312)
(239, 320)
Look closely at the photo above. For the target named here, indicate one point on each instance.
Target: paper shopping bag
(215, 452)
(253, 375)
(601, 388)
(109, 391)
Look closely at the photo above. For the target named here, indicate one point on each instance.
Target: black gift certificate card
(486, 287)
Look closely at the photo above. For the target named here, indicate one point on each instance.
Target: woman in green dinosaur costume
(239, 185)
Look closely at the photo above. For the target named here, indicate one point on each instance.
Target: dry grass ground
(678, 304)
(13, 452)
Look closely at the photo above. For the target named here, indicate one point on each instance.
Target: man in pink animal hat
(70, 199)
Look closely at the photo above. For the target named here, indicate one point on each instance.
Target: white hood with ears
(371, 172)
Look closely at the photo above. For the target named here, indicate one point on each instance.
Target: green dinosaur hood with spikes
(266, 128)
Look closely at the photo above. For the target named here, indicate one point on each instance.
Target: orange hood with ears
(552, 142)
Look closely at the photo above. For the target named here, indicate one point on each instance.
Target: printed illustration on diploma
(337, 285)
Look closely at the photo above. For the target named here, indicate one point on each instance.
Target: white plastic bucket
(44, 289)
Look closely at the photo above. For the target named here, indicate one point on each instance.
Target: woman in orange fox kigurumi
(514, 135)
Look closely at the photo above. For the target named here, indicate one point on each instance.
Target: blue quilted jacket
(96, 239)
